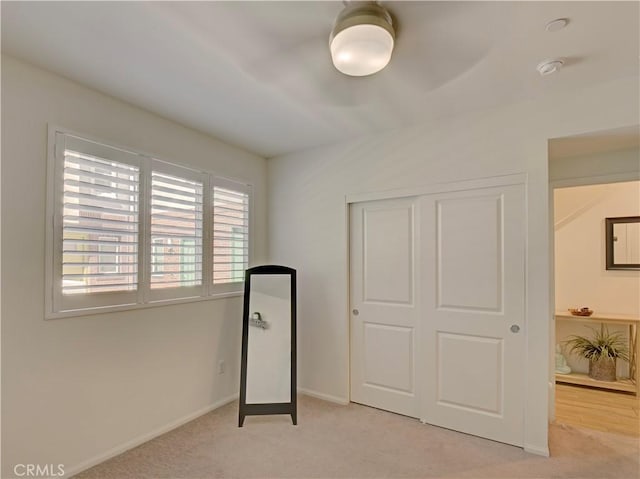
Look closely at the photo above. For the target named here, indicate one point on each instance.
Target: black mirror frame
(267, 408)
(609, 222)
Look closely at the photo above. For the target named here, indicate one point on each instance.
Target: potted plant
(602, 350)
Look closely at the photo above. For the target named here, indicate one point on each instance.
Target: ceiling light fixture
(362, 39)
(548, 67)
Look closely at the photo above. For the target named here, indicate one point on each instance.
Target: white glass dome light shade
(362, 40)
(361, 50)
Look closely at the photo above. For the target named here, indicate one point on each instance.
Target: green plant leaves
(603, 344)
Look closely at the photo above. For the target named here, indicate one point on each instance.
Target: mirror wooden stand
(268, 367)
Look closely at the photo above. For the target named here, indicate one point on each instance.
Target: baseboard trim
(325, 397)
(83, 466)
(538, 451)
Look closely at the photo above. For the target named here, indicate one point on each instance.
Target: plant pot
(603, 369)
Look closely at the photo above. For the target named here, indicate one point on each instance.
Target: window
(129, 230)
(90, 211)
(231, 234)
(107, 255)
(157, 256)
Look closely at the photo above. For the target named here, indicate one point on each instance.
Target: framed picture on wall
(622, 239)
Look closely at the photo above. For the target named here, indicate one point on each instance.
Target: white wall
(73, 389)
(581, 278)
(308, 223)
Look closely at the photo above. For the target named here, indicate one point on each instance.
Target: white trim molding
(594, 180)
(538, 451)
(324, 397)
(471, 184)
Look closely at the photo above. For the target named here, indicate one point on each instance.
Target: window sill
(131, 307)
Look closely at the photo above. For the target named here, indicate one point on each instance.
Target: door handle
(515, 328)
(355, 312)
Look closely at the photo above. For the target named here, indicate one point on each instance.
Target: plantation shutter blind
(230, 232)
(99, 225)
(127, 229)
(176, 231)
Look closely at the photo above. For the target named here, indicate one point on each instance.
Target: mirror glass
(626, 243)
(269, 339)
(622, 237)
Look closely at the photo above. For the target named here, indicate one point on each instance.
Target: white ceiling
(259, 74)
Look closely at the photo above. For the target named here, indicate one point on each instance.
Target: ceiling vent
(548, 67)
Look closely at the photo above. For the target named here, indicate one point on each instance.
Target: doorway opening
(594, 177)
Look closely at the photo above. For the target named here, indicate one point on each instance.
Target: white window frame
(57, 302)
(58, 305)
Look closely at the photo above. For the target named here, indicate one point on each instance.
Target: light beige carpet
(354, 441)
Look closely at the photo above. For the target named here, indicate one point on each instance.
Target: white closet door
(383, 305)
(472, 322)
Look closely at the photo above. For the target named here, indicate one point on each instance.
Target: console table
(630, 384)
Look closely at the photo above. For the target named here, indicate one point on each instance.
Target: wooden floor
(609, 411)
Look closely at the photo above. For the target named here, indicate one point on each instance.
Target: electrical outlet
(221, 367)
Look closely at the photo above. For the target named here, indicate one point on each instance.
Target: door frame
(449, 187)
(553, 186)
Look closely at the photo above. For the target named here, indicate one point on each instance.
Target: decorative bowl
(581, 311)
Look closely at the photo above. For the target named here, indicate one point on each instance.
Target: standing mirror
(623, 242)
(268, 369)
